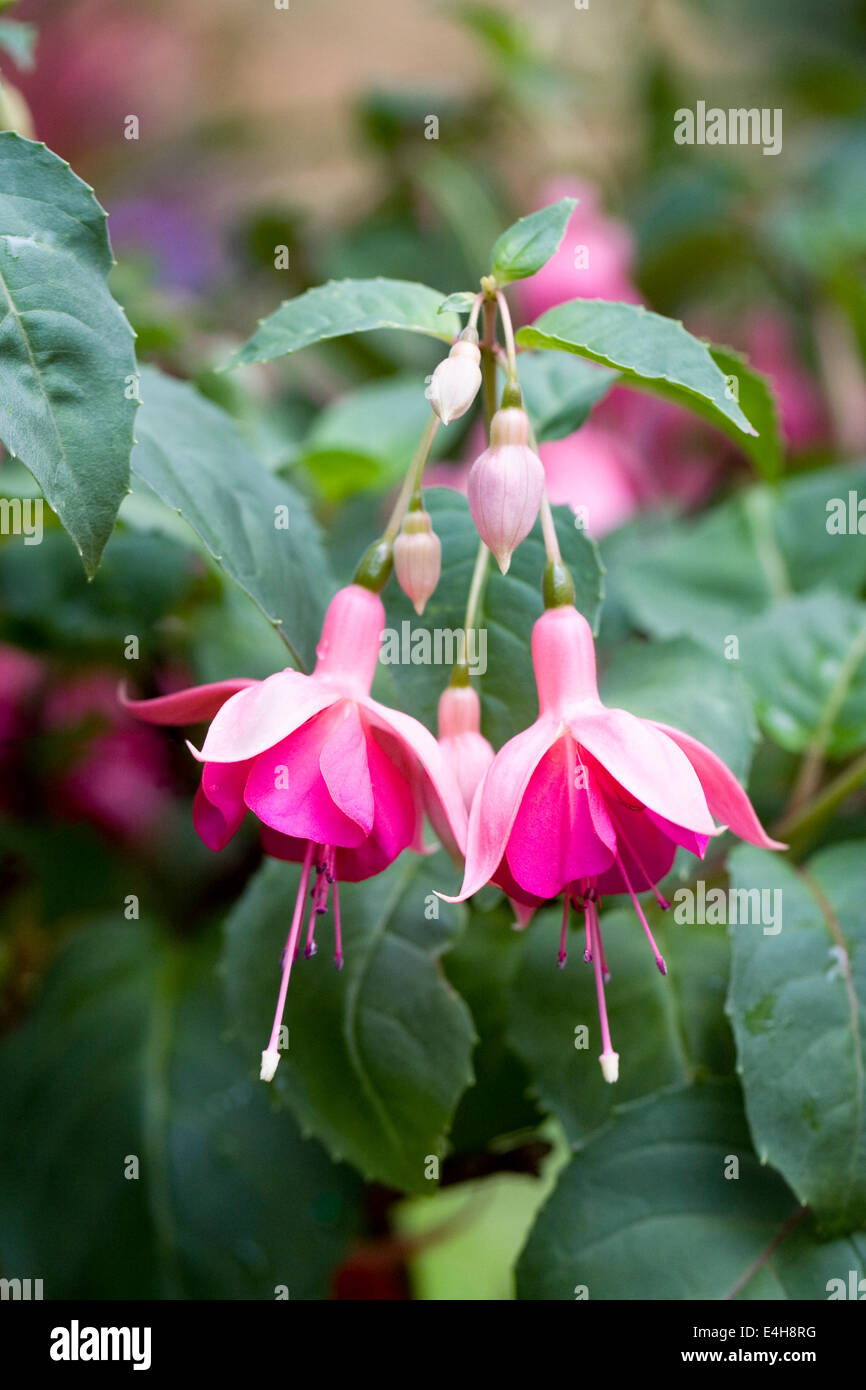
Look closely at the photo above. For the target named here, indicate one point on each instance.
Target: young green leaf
(651, 352)
(67, 366)
(348, 306)
(527, 245)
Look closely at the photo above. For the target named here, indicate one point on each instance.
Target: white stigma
(270, 1061)
(610, 1066)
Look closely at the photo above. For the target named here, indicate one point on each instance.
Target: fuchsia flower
(591, 800)
(505, 485)
(338, 781)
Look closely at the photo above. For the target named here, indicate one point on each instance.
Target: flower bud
(456, 381)
(464, 747)
(505, 486)
(417, 558)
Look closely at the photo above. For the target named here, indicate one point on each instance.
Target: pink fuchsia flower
(456, 381)
(339, 782)
(505, 485)
(768, 342)
(591, 800)
(464, 747)
(594, 261)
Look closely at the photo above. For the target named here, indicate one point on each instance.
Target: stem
(475, 588)
(810, 817)
(476, 309)
(508, 330)
(551, 540)
(412, 481)
(488, 361)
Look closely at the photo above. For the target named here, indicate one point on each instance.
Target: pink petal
(219, 805)
(646, 762)
(265, 714)
(562, 831)
(439, 785)
(286, 790)
(344, 767)
(725, 797)
(185, 706)
(497, 803)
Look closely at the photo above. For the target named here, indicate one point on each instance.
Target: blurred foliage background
(305, 129)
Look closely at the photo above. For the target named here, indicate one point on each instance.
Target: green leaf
(754, 395)
(682, 684)
(509, 606)
(651, 352)
(19, 41)
(798, 1006)
(646, 1211)
(194, 457)
(379, 1052)
(124, 1056)
(559, 391)
(348, 306)
(806, 663)
(459, 303)
(366, 438)
(527, 245)
(66, 350)
(707, 578)
(660, 1040)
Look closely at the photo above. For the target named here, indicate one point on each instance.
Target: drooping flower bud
(505, 485)
(456, 380)
(465, 749)
(418, 558)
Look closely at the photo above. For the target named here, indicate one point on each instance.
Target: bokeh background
(305, 128)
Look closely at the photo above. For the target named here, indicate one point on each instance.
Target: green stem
(811, 817)
(508, 330)
(412, 481)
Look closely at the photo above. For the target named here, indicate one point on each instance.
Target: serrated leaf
(559, 391)
(754, 395)
(510, 604)
(195, 458)
(124, 1056)
(805, 661)
(379, 1052)
(798, 1006)
(67, 362)
(527, 245)
(651, 352)
(649, 1208)
(348, 306)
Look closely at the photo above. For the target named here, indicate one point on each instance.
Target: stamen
(644, 923)
(338, 935)
(662, 902)
(563, 953)
(271, 1055)
(609, 1059)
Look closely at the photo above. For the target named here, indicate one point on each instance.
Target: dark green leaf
(651, 352)
(754, 395)
(348, 306)
(798, 1007)
(646, 1211)
(560, 391)
(67, 365)
(124, 1058)
(196, 460)
(527, 245)
(379, 1052)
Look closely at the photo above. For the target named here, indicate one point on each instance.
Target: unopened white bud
(418, 558)
(506, 485)
(456, 381)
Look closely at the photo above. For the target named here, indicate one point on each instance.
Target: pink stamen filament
(662, 902)
(644, 923)
(609, 1059)
(338, 934)
(563, 953)
(291, 947)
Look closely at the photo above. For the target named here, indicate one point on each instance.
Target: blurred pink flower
(768, 343)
